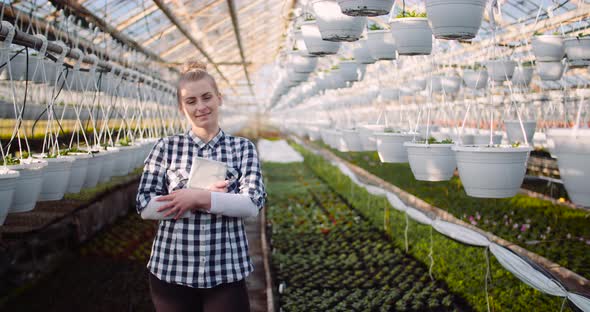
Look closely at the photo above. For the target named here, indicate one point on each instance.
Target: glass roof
(262, 26)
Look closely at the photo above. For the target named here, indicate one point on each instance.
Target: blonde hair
(194, 71)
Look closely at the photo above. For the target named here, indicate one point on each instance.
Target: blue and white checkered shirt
(204, 250)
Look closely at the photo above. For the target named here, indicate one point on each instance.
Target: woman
(200, 259)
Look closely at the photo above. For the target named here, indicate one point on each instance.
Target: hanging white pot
(78, 172)
(572, 148)
(297, 77)
(483, 138)
(390, 146)
(113, 156)
(548, 48)
(500, 70)
(313, 40)
(334, 25)
(351, 141)
(455, 19)
(336, 80)
(475, 79)
(514, 132)
(367, 138)
(418, 84)
(435, 84)
(361, 53)
(491, 172)
(577, 50)
(301, 63)
(381, 45)
(389, 94)
(412, 35)
(122, 166)
(550, 70)
(8, 181)
(431, 162)
(95, 166)
(28, 185)
(365, 7)
(450, 84)
(349, 70)
(56, 177)
(523, 75)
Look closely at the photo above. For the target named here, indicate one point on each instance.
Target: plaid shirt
(204, 250)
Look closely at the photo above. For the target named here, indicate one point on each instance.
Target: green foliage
(391, 130)
(411, 13)
(562, 231)
(9, 161)
(433, 140)
(375, 26)
(331, 258)
(461, 267)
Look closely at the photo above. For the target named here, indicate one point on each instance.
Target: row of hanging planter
(25, 181)
(27, 177)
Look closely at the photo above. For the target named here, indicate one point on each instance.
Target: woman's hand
(183, 200)
(220, 186)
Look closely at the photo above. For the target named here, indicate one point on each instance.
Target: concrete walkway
(256, 281)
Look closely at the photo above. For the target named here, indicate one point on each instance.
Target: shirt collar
(201, 144)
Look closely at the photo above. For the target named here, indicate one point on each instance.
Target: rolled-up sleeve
(153, 178)
(251, 183)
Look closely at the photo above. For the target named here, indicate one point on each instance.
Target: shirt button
(202, 227)
(202, 259)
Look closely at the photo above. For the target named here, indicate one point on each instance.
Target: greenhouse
(295, 155)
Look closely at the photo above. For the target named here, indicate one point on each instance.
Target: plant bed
(554, 231)
(326, 256)
(462, 267)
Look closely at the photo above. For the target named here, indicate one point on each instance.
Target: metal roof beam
(82, 12)
(174, 20)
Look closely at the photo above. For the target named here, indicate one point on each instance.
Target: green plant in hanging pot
(455, 20)
(577, 50)
(503, 167)
(411, 33)
(335, 26)
(548, 48)
(8, 181)
(56, 174)
(431, 160)
(29, 182)
(381, 44)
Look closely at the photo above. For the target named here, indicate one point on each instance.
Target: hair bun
(193, 66)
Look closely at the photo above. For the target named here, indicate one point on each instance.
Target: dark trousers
(232, 297)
